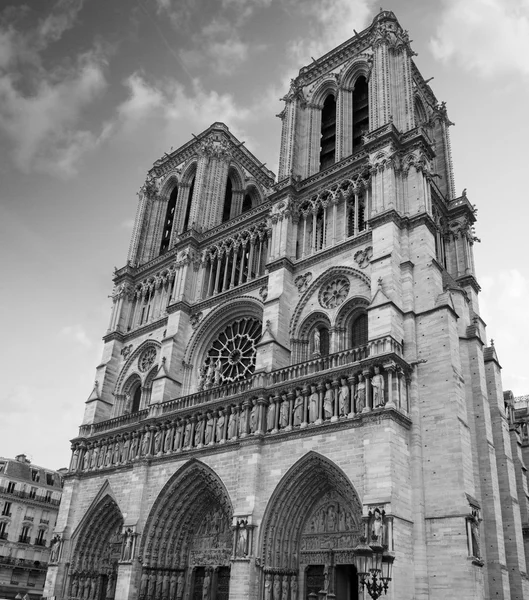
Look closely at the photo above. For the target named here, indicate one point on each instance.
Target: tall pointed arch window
(328, 133)
(136, 399)
(169, 220)
(360, 111)
(246, 203)
(188, 205)
(359, 331)
(226, 211)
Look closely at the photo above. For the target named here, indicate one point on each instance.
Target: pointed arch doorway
(311, 525)
(187, 543)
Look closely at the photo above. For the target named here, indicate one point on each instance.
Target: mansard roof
(217, 132)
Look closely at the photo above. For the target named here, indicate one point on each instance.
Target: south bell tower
(293, 364)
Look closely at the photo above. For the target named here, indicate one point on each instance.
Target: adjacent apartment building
(29, 502)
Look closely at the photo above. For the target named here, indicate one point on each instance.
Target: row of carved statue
(295, 408)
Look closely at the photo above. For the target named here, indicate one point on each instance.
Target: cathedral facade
(295, 374)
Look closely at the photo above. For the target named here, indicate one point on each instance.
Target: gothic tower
(292, 365)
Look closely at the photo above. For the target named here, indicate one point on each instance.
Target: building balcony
(40, 543)
(30, 497)
(23, 563)
(45, 521)
(24, 539)
(3, 535)
(26, 518)
(327, 391)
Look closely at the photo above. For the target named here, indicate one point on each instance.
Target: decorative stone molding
(363, 257)
(302, 282)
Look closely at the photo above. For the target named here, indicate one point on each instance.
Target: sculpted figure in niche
(220, 426)
(178, 434)
(341, 519)
(298, 408)
(285, 587)
(208, 435)
(377, 527)
(277, 587)
(328, 402)
(157, 441)
(360, 395)
(268, 587)
(210, 374)
(313, 404)
(180, 586)
(145, 443)
(218, 372)
(187, 435)
(202, 377)
(125, 449)
(117, 448)
(93, 458)
(254, 416)
(86, 459)
(377, 384)
(331, 518)
(133, 447)
(206, 586)
(293, 587)
(108, 454)
(343, 398)
(243, 419)
(232, 423)
(168, 441)
(316, 342)
(271, 415)
(283, 413)
(199, 432)
(242, 540)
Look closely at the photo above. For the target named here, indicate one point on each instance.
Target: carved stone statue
(177, 435)
(313, 404)
(199, 432)
(55, 548)
(210, 374)
(145, 443)
(168, 441)
(254, 417)
(285, 587)
(298, 409)
(218, 372)
(180, 586)
(316, 342)
(360, 394)
(133, 447)
(232, 424)
(268, 587)
(202, 378)
(343, 398)
(328, 402)
(157, 441)
(293, 587)
(127, 545)
(187, 435)
(242, 540)
(377, 385)
(271, 416)
(243, 419)
(277, 587)
(206, 586)
(86, 459)
(220, 426)
(208, 434)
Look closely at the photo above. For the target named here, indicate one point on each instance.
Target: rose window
(334, 293)
(146, 359)
(232, 355)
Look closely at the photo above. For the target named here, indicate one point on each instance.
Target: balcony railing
(3, 535)
(45, 521)
(23, 539)
(26, 518)
(23, 563)
(318, 393)
(40, 543)
(30, 496)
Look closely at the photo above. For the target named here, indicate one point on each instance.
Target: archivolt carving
(125, 371)
(329, 275)
(358, 67)
(295, 498)
(194, 502)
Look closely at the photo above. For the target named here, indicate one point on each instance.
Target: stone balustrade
(229, 414)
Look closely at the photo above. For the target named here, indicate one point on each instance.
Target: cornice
(358, 161)
(246, 219)
(181, 305)
(280, 263)
(125, 337)
(362, 238)
(470, 281)
(231, 294)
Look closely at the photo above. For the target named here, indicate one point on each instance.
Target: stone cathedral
(296, 375)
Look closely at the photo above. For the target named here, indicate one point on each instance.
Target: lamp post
(374, 566)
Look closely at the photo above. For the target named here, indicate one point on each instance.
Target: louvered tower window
(169, 219)
(328, 133)
(188, 207)
(360, 111)
(227, 201)
(246, 203)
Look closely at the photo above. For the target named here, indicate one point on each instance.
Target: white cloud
(504, 308)
(78, 334)
(40, 108)
(489, 37)
(331, 22)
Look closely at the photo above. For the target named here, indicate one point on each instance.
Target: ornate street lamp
(374, 566)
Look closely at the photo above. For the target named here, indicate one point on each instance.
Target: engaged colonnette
(296, 381)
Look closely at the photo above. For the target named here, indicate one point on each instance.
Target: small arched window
(359, 331)
(227, 201)
(169, 220)
(136, 399)
(246, 203)
(328, 133)
(188, 205)
(360, 111)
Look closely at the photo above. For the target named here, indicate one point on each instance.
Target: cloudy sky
(92, 92)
